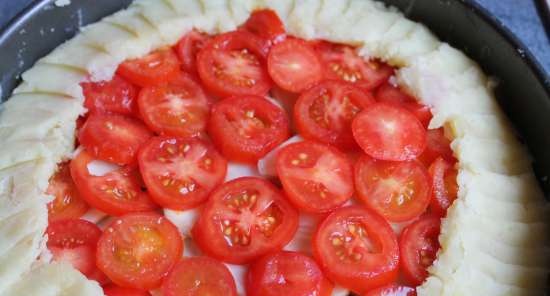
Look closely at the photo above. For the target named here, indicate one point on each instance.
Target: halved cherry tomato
(392, 290)
(245, 128)
(114, 290)
(418, 246)
(188, 48)
(388, 132)
(265, 24)
(178, 108)
(114, 96)
(342, 62)
(444, 186)
(244, 219)
(234, 64)
(294, 65)
(316, 177)
(286, 273)
(113, 138)
(74, 241)
(180, 172)
(116, 193)
(437, 145)
(388, 93)
(67, 202)
(155, 68)
(399, 191)
(325, 112)
(198, 276)
(357, 249)
(138, 250)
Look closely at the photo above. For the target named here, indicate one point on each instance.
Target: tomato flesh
(267, 25)
(188, 48)
(114, 290)
(392, 290)
(437, 145)
(67, 202)
(390, 94)
(114, 96)
(244, 219)
(245, 128)
(357, 249)
(444, 186)
(155, 68)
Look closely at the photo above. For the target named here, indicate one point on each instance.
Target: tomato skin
(324, 112)
(233, 63)
(348, 230)
(197, 276)
(390, 94)
(437, 145)
(67, 202)
(155, 68)
(294, 65)
(178, 108)
(388, 132)
(115, 193)
(266, 24)
(392, 290)
(113, 138)
(114, 96)
(286, 273)
(255, 198)
(181, 172)
(245, 128)
(188, 47)
(418, 246)
(137, 250)
(114, 290)
(444, 186)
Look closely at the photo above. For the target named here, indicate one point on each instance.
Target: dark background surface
(520, 16)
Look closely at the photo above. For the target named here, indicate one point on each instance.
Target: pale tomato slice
(437, 145)
(444, 186)
(392, 290)
(67, 202)
(188, 48)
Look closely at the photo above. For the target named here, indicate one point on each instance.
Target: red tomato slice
(265, 24)
(245, 128)
(342, 62)
(113, 138)
(138, 250)
(418, 246)
(392, 290)
(286, 273)
(325, 112)
(399, 191)
(444, 186)
(388, 132)
(316, 177)
(188, 48)
(234, 64)
(67, 202)
(155, 68)
(115, 193)
(198, 276)
(114, 96)
(244, 219)
(74, 241)
(178, 108)
(114, 290)
(437, 145)
(181, 172)
(357, 249)
(388, 93)
(294, 65)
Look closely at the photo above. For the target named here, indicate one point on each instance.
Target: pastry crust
(495, 240)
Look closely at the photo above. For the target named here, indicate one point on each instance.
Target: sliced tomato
(388, 132)
(325, 112)
(178, 108)
(388, 93)
(74, 241)
(265, 24)
(115, 193)
(156, 68)
(113, 138)
(316, 177)
(234, 64)
(244, 219)
(399, 191)
(114, 290)
(137, 250)
(198, 276)
(392, 290)
(342, 62)
(67, 202)
(294, 65)
(245, 128)
(114, 96)
(444, 186)
(181, 172)
(286, 273)
(188, 48)
(437, 145)
(357, 249)
(418, 246)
